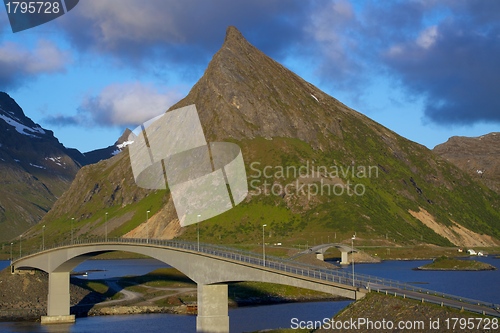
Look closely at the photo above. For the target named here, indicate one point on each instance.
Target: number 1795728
(33, 7)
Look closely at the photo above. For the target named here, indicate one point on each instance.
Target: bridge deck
(313, 274)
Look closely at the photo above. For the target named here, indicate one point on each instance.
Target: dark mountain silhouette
(98, 155)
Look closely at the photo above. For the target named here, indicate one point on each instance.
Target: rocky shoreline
(423, 268)
(34, 314)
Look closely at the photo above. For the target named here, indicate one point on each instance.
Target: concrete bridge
(211, 267)
(321, 249)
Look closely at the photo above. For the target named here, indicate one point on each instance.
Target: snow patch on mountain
(120, 147)
(56, 160)
(25, 130)
(124, 144)
(37, 166)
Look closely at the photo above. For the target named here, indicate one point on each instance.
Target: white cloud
(128, 103)
(46, 57)
(331, 30)
(428, 37)
(115, 21)
(327, 20)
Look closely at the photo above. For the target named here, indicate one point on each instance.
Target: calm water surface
(480, 285)
(245, 319)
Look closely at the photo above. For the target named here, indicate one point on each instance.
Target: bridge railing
(285, 265)
(346, 278)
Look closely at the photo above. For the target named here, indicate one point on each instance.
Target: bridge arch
(321, 249)
(210, 272)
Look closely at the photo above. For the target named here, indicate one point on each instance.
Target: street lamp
(352, 257)
(198, 230)
(106, 228)
(43, 237)
(263, 245)
(20, 248)
(147, 226)
(72, 220)
(11, 253)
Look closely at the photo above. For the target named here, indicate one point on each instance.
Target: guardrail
(362, 281)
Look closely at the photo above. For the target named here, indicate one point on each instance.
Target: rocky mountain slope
(35, 169)
(479, 157)
(315, 168)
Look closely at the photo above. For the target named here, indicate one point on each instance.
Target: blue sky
(427, 70)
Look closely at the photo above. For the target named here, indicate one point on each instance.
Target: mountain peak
(124, 137)
(479, 156)
(14, 116)
(285, 125)
(233, 35)
(244, 94)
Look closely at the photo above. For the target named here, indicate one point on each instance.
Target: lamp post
(147, 226)
(20, 248)
(106, 228)
(11, 253)
(43, 237)
(263, 245)
(352, 257)
(72, 220)
(198, 230)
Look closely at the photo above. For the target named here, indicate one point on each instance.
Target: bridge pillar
(58, 302)
(320, 256)
(212, 309)
(344, 259)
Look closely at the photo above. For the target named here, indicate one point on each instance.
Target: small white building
(471, 252)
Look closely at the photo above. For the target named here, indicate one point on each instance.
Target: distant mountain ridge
(98, 155)
(479, 157)
(279, 119)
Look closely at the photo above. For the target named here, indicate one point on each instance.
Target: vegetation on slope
(453, 264)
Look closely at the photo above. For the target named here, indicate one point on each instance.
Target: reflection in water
(244, 319)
